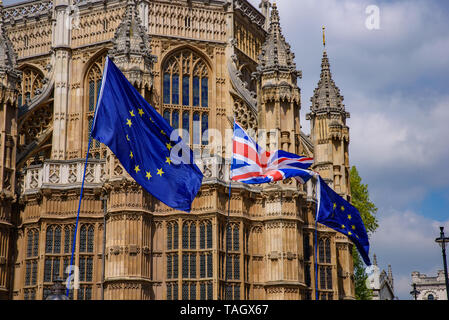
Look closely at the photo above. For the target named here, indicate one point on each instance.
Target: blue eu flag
(338, 214)
(142, 140)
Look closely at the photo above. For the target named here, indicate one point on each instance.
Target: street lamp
(415, 292)
(443, 241)
(58, 290)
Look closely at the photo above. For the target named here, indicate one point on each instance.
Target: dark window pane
(30, 244)
(328, 251)
(321, 251)
(82, 269)
(237, 292)
(202, 291)
(91, 96)
(185, 291)
(185, 90)
(209, 266)
(175, 266)
(202, 266)
(186, 125)
(204, 129)
(193, 291)
(209, 235)
(36, 244)
(175, 88)
(68, 236)
(236, 239)
(175, 236)
(169, 294)
(83, 238)
(210, 292)
(89, 269)
(175, 291)
(193, 266)
(169, 237)
(57, 247)
(185, 236)
(169, 267)
(322, 278)
(307, 277)
(202, 236)
(306, 243)
(196, 91)
(98, 89)
(228, 238)
(175, 120)
(166, 88)
(49, 240)
(185, 266)
(19, 101)
(192, 236)
(329, 277)
(34, 274)
(167, 116)
(47, 270)
(28, 274)
(229, 267)
(204, 92)
(236, 268)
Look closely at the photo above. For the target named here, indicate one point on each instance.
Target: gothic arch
(91, 88)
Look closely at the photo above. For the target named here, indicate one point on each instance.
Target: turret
(278, 92)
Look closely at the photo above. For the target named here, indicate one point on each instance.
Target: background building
(200, 63)
(430, 288)
(382, 284)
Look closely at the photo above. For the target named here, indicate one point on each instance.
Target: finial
(324, 36)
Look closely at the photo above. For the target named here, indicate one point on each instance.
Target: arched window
(328, 250)
(186, 91)
(32, 253)
(92, 92)
(321, 250)
(32, 81)
(430, 297)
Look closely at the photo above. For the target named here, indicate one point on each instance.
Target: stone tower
(9, 80)
(278, 92)
(330, 136)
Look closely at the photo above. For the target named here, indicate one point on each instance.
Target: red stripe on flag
(247, 152)
(246, 176)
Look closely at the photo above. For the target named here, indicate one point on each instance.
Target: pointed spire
(130, 37)
(276, 52)
(327, 94)
(8, 57)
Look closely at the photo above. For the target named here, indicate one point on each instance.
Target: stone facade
(430, 288)
(200, 63)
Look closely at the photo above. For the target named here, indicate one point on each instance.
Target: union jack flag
(253, 165)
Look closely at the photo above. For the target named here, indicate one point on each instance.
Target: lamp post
(443, 241)
(58, 291)
(415, 292)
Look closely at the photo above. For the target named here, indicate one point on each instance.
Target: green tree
(360, 199)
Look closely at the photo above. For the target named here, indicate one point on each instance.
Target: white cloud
(406, 240)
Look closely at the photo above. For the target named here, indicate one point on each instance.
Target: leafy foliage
(360, 199)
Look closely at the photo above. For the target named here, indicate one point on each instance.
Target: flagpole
(84, 173)
(79, 208)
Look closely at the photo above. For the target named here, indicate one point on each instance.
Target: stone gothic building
(200, 63)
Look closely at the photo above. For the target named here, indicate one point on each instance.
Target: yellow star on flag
(349, 217)
(131, 155)
(162, 131)
(169, 146)
(335, 206)
(149, 176)
(129, 123)
(132, 113)
(141, 113)
(136, 169)
(343, 226)
(127, 138)
(160, 172)
(168, 160)
(342, 208)
(350, 233)
(353, 227)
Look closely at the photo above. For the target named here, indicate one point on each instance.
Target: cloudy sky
(395, 82)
